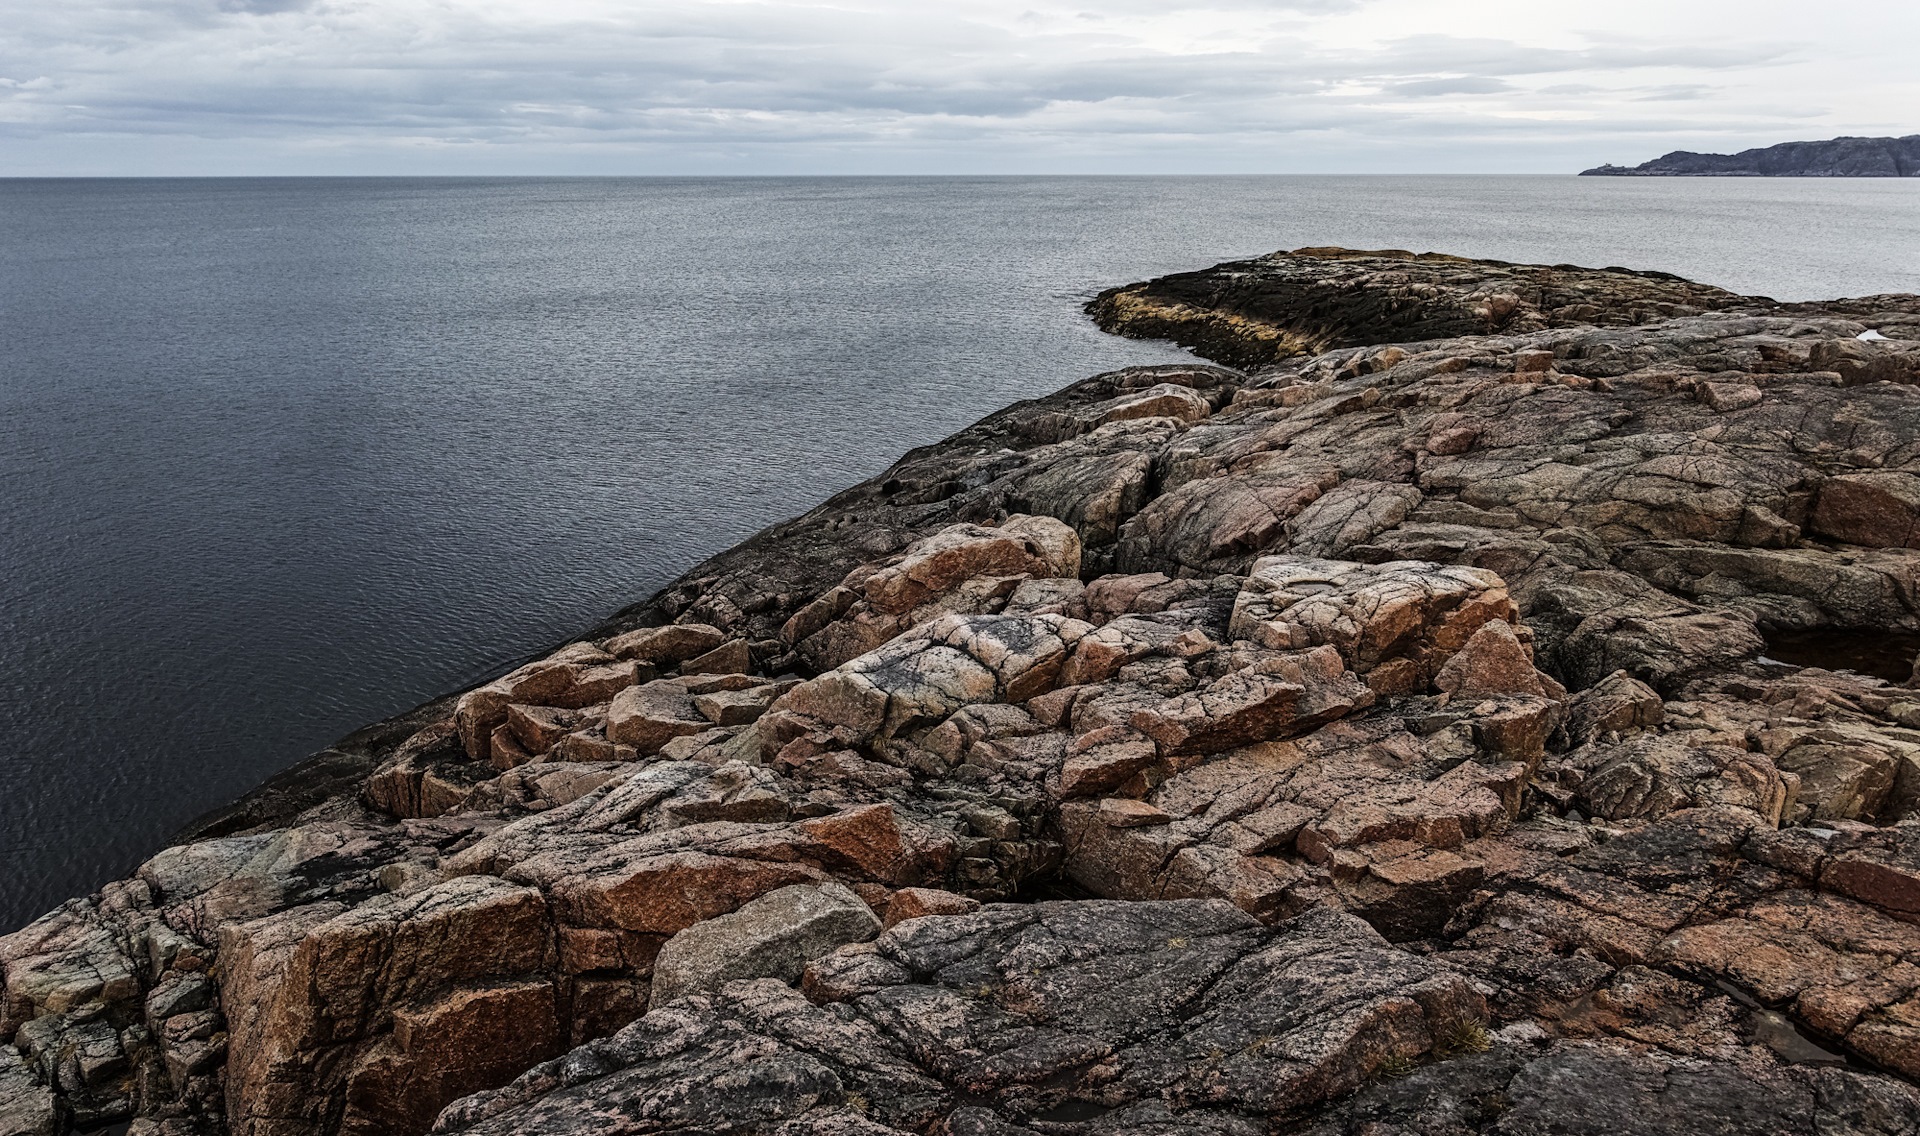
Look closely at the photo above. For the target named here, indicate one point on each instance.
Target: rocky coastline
(1837, 157)
(1416, 721)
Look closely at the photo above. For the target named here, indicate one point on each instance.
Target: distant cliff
(1840, 157)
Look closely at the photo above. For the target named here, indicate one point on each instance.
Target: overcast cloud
(879, 86)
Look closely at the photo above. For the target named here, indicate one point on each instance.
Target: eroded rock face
(26, 1106)
(1024, 1009)
(386, 990)
(1397, 709)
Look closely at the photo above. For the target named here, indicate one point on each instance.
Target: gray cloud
(1674, 93)
(302, 85)
(1463, 85)
(264, 7)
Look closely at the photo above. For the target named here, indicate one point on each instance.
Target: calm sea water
(282, 457)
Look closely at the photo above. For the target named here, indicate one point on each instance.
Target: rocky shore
(1418, 724)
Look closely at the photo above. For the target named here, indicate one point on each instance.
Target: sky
(236, 87)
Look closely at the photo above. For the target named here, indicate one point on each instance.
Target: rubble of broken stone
(1380, 741)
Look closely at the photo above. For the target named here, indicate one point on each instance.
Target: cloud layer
(867, 86)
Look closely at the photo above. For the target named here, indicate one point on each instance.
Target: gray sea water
(282, 457)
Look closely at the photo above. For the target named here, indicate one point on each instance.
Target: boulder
(1402, 618)
(1123, 813)
(774, 936)
(576, 676)
(1617, 704)
(1725, 397)
(961, 570)
(1841, 782)
(648, 717)
(1879, 509)
(1162, 400)
(1492, 662)
(1290, 694)
(461, 1042)
(665, 892)
(726, 659)
(962, 552)
(918, 903)
(1104, 760)
(666, 645)
(537, 728)
(65, 959)
(1881, 868)
(735, 707)
(1651, 776)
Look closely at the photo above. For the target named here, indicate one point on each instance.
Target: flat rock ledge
(1438, 727)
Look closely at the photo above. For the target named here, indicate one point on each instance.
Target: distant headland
(1838, 157)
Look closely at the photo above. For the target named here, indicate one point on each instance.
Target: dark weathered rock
(26, 1102)
(1316, 299)
(1609, 1090)
(1022, 1009)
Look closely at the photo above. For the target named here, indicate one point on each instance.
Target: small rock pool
(1882, 654)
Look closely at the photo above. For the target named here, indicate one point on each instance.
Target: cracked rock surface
(1489, 712)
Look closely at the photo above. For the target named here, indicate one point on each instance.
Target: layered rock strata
(1390, 738)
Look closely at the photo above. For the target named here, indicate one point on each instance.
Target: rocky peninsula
(1837, 157)
(1428, 719)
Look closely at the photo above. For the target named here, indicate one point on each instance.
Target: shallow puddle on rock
(1883, 654)
(1777, 1032)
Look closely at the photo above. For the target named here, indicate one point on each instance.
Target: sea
(282, 457)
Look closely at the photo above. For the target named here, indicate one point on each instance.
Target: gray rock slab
(775, 936)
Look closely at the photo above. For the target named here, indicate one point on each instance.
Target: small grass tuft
(1468, 1035)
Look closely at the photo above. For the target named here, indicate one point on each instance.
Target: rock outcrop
(1313, 300)
(1394, 737)
(1838, 157)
